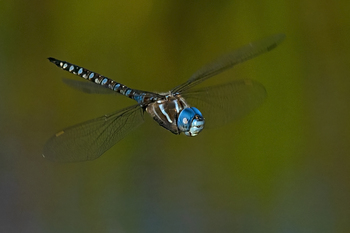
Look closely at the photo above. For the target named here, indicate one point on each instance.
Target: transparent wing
(229, 60)
(87, 87)
(224, 103)
(90, 139)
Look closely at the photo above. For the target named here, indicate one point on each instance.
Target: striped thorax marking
(162, 109)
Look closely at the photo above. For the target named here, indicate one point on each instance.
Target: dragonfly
(176, 110)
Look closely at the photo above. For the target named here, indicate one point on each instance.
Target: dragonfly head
(190, 121)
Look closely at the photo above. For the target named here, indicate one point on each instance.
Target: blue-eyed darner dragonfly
(172, 110)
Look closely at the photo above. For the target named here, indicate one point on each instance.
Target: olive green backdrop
(283, 168)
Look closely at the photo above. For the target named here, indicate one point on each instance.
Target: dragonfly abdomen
(99, 79)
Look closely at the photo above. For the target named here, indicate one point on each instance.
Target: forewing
(229, 60)
(90, 139)
(224, 103)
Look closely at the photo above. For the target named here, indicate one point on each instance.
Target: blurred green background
(283, 168)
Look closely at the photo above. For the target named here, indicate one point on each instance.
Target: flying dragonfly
(177, 110)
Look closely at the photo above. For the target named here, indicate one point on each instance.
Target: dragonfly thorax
(174, 114)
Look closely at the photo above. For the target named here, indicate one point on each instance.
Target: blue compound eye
(190, 121)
